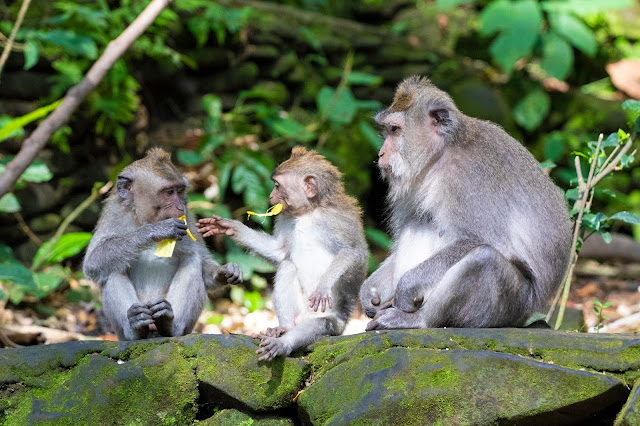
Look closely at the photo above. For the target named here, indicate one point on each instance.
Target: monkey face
(279, 192)
(390, 157)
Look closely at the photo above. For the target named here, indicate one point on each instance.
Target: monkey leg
(287, 295)
(300, 336)
(483, 289)
(125, 312)
(186, 296)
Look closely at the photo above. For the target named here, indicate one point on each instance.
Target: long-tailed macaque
(318, 246)
(481, 235)
(140, 289)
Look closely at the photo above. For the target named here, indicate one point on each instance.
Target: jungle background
(229, 87)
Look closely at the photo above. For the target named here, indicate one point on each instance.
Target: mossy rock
(231, 417)
(229, 370)
(430, 386)
(630, 413)
(157, 386)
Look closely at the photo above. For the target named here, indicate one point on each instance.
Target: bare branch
(12, 36)
(38, 139)
(612, 165)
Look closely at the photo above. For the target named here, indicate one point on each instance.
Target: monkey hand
(140, 318)
(229, 274)
(391, 318)
(275, 332)
(162, 314)
(409, 296)
(216, 225)
(270, 347)
(321, 296)
(166, 229)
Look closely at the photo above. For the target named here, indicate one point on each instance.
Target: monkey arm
(378, 289)
(271, 247)
(115, 253)
(410, 291)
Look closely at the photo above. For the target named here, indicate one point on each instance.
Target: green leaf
(631, 105)
(249, 263)
(9, 204)
(30, 54)
(37, 172)
(622, 135)
(606, 305)
(575, 31)
(626, 217)
(289, 128)
(585, 6)
(68, 245)
(557, 56)
(537, 316)
(20, 122)
(606, 237)
(495, 17)
(548, 165)
(189, 158)
(364, 79)
(371, 135)
(6, 254)
(253, 300)
(72, 42)
(531, 110)
(378, 238)
(339, 107)
(594, 220)
(611, 141)
(449, 4)
(45, 284)
(520, 23)
(212, 105)
(17, 273)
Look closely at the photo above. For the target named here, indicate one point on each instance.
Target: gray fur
(502, 227)
(139, 288)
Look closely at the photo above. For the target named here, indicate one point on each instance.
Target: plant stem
(12, 36)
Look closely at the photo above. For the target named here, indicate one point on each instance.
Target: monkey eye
(395, 129)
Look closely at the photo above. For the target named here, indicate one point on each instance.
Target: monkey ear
(441, 121)
(310, 186)
(123, 185)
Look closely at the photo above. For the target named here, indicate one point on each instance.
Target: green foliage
(532, 109)
(598, 309)
(12, 127)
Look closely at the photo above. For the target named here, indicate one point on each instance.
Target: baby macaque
(318, 246)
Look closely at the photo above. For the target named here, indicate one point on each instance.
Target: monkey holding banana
(139, 288)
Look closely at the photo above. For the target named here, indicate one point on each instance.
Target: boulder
(437, 376)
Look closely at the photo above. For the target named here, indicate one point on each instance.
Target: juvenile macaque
(139, 289)
(318, 246)
(481, 235)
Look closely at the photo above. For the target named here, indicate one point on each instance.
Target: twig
(583, 193)
(25, 228)
(38, 139)
(612, 165)
(12, 36)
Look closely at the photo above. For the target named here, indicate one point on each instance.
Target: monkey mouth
(384, 168)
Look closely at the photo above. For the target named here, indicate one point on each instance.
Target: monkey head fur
(305, 181)
(152, 187)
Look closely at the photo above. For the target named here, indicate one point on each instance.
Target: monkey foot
(270, 347)
(275, 332)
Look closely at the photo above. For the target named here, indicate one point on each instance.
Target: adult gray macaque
(318, 246)
(139, 289)
(481, 235)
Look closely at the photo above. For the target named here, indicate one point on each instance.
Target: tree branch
(38, 139)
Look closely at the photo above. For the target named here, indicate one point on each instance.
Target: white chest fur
(152, 275)
(414, 246)
(309, 252)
